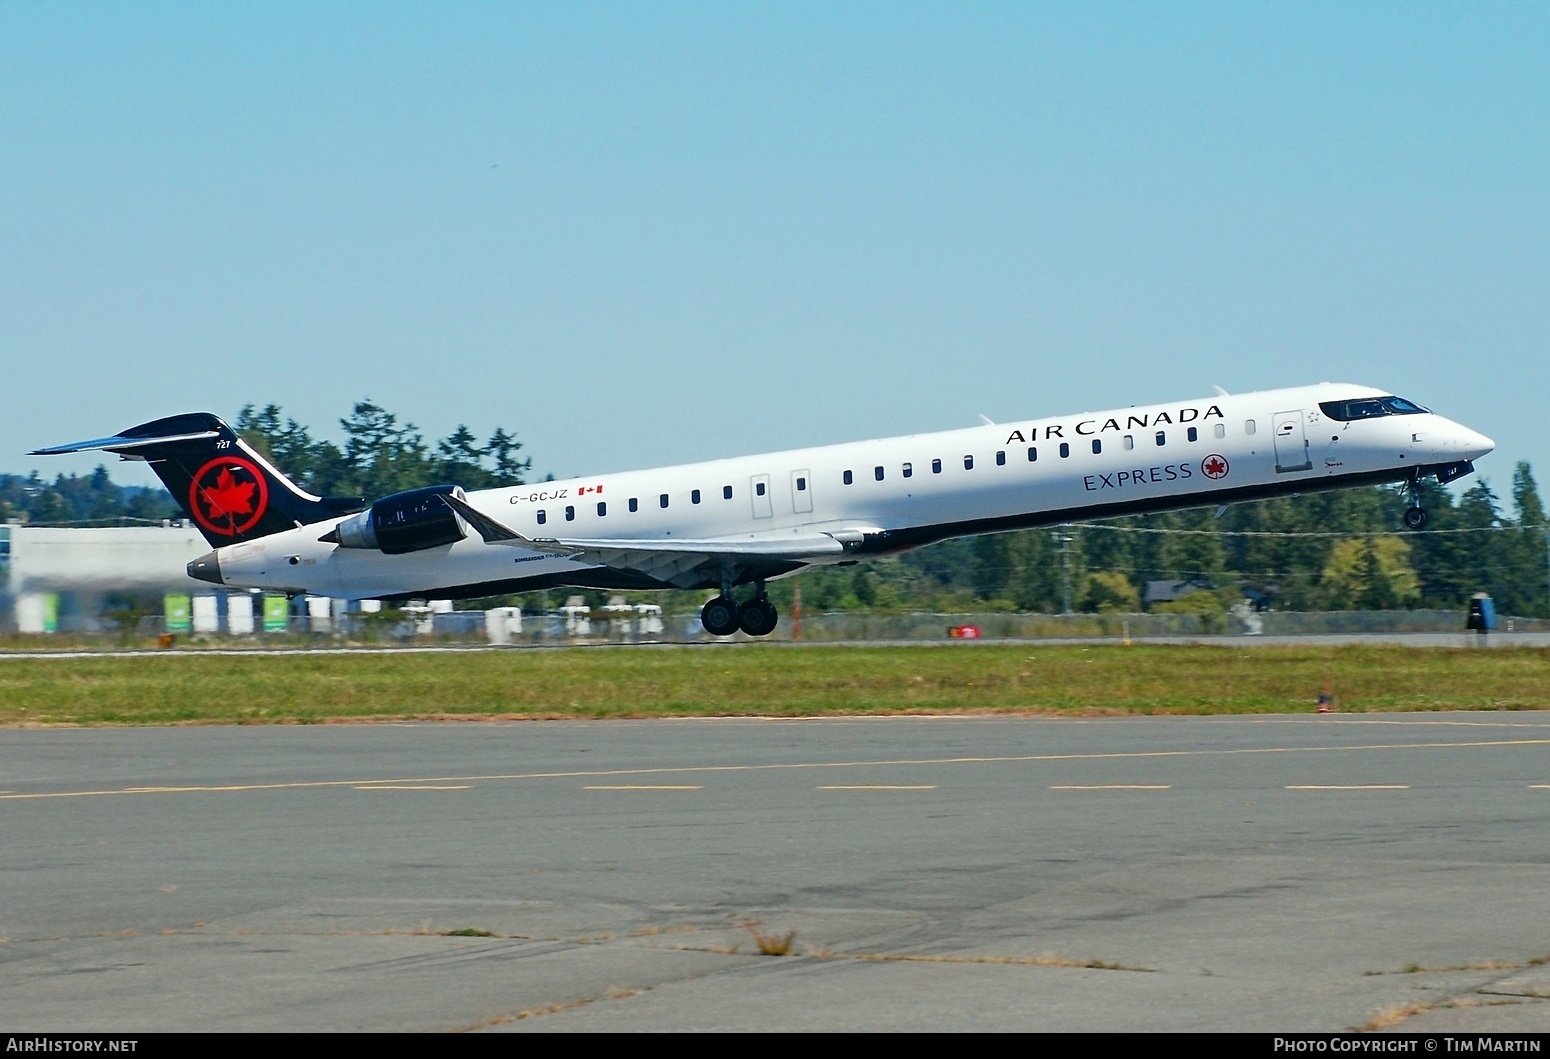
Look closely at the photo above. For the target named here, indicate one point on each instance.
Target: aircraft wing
(672, 561)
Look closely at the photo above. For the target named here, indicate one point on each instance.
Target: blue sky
(653, 233)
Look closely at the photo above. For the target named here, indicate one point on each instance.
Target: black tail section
(229, 490)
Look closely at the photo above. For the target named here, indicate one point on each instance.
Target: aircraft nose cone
(1476, 445)
(206, 568)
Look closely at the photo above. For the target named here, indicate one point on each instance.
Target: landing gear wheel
(759, 617)
(1415, 518)
(720, 616)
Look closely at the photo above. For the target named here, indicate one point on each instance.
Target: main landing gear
(723, 615)
(1415, 515)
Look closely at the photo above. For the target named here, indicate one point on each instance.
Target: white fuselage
(899, 492)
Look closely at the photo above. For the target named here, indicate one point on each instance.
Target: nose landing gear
(723, 615)
(1415, 515)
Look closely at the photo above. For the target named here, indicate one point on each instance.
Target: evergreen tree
(1197, 553)
(502, 450)
(1525, 497)
(50, 507)
(458, 459)
(1037, 569)
(992, 565)
(1377, 590)
(1529, 546)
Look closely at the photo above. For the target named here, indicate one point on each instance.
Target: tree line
(81, 500)
(1325, 551)
(380, 454)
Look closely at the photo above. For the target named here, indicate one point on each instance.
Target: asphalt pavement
(1170, 873)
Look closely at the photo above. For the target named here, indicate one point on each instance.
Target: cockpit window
(1370, 408)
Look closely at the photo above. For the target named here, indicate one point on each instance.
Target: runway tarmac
(1236, 873)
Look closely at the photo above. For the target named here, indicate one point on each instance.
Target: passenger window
(968, 463)
(848, 478)
(877, 472)
(1192, 434)
(908, 470)
(602, 508)
(1249, 427)
(936, 466)
(1001, 459)
(1130, 442)
(634, 503)
(1097, 446)
(1219, 429)
(570, 514)
(543, 516)
(694, 497)
(759, 488)
(1162, 438)
(801, 487)
(662, 500)
(1033, 454)
(1065, 450)
(726, 492)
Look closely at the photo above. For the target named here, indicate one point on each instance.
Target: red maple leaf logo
(1214, 467)
(228, 498)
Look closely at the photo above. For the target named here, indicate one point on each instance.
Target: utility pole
(1064, 537)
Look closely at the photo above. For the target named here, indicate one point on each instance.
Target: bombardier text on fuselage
(732, 522)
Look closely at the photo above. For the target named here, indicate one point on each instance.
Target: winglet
(492, 532)
(1220, 392)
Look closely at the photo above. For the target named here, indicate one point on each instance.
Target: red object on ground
(964, 632)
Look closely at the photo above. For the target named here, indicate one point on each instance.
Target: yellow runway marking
(1112, 787)
(688, 770)
(1348, 786)
(878, 787)
(412, 787)
(644, 787)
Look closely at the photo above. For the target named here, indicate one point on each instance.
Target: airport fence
(470, 628)
(841, 627)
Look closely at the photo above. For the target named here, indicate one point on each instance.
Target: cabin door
(801, 491)
(762, 502)
(1291, 442)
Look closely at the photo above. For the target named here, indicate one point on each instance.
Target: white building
(59, 578)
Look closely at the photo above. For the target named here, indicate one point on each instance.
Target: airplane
(733, 522)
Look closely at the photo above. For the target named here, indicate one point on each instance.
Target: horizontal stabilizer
(120, 442)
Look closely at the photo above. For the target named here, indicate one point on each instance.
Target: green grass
(768, 680)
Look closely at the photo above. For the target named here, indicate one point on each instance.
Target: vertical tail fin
(222, 483)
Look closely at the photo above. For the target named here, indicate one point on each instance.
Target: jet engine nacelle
(411, 521)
